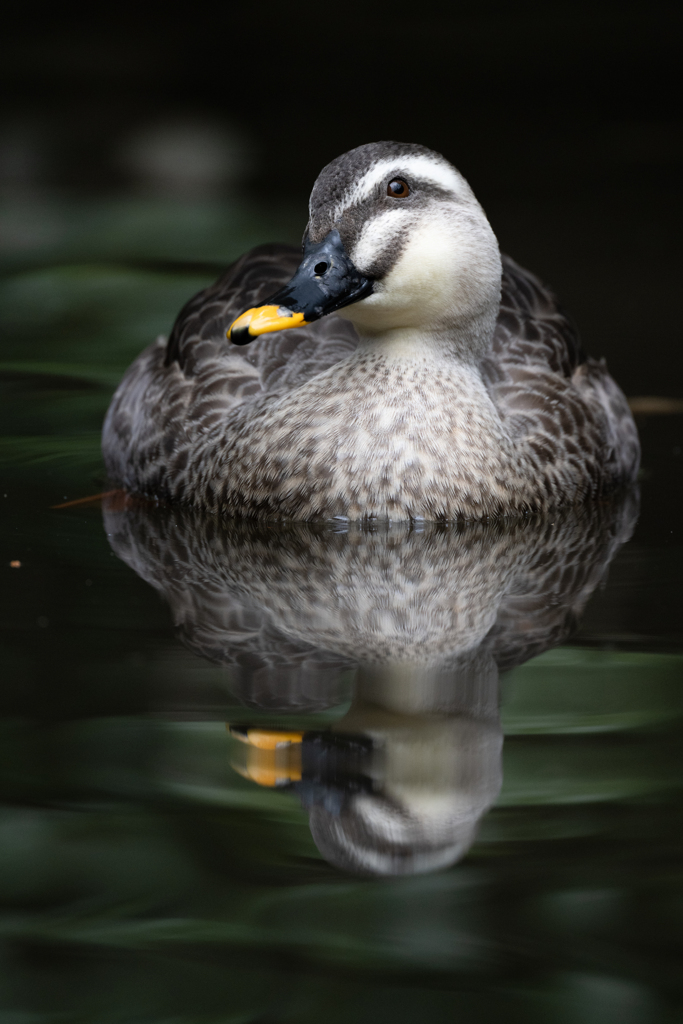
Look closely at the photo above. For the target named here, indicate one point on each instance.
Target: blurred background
(186, 133)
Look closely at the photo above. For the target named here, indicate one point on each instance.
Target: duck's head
(395, 241)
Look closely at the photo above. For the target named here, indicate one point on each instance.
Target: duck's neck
(447, 358)
(408, 344)
(465, 340)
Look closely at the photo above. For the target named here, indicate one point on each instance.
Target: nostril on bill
(320, 268)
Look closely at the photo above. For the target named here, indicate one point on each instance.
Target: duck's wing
(279, 361)
(182, 387)
(549, 393)
(532, 335)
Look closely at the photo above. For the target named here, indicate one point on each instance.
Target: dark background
(565, 118)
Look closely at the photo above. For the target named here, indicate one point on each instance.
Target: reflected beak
(326, 281)
(315, 763)
(270, 757)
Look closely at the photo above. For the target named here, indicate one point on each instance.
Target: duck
(398, 369)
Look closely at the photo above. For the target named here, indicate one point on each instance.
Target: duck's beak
(325, 282)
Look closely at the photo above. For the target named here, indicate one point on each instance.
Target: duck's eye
(320, 268)
(397, 189)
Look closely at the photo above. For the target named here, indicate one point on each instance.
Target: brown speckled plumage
(310, 424)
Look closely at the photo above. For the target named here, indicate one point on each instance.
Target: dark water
(510, 699)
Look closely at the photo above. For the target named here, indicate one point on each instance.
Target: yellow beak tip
(263, 320)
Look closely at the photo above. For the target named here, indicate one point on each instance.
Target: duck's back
(565, 406)
(549, 392)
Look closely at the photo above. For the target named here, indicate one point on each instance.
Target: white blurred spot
(185, 159)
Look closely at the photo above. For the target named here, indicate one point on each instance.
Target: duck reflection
(426, 619)
(400, 783)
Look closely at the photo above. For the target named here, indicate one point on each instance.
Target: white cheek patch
(450, 264)
(426, 273)
(434, 171)
(378, 235)
(449, 267)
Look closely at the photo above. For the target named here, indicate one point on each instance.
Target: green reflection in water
(142, 879)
